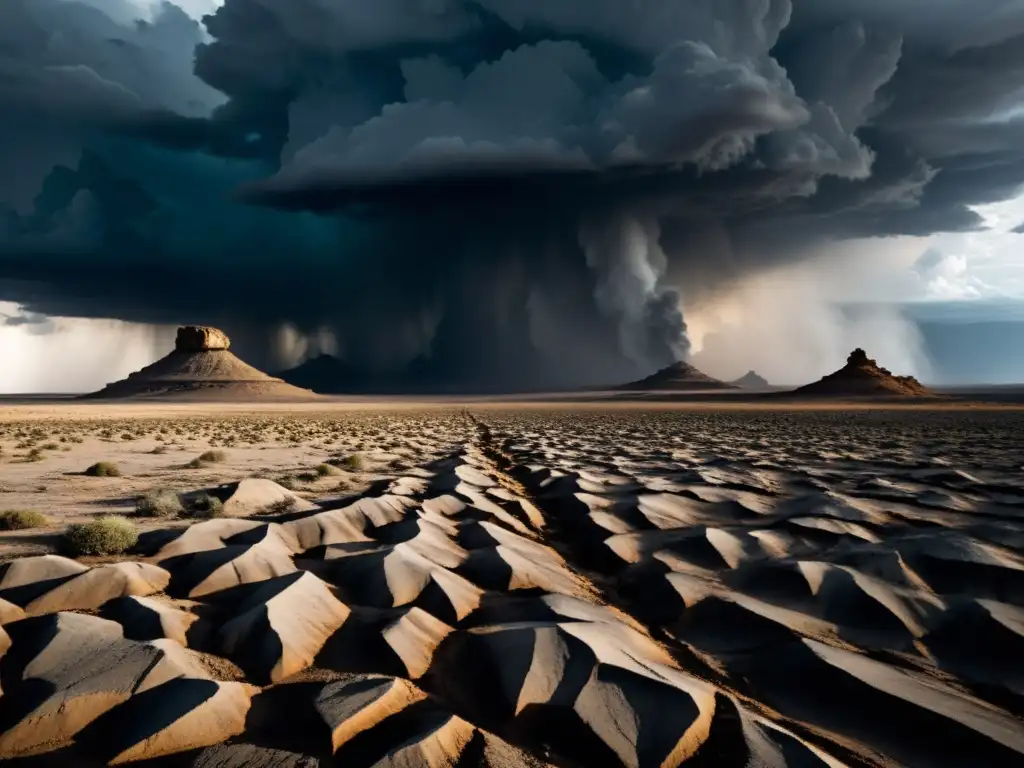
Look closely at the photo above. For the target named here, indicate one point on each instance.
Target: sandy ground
(153, 444)
(535, 583)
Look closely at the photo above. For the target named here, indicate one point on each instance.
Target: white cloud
(946, 276)
(987, 263)
(146, 8)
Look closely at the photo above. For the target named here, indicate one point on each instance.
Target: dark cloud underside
(487, 194)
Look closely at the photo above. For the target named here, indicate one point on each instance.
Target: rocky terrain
(557, 587)
(201, 366)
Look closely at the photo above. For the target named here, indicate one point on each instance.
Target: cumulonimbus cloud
(423, 176)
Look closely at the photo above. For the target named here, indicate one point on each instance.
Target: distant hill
(751, 380)
(679, 377)
(201, 366)
(863, 377)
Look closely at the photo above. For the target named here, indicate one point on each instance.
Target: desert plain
(506, 584)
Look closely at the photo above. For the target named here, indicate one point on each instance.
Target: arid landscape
(512, 383)
(497, 584)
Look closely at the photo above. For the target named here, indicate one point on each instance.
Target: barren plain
(498, 585)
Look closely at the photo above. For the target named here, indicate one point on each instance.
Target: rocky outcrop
(77, 677)
(863, 377)
(751, 380)
(679, 377)
(50, 583)
(198, 338)
(201, 366)
(282, 626)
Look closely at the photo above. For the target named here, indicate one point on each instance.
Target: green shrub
(159, 504)
(106, 536)
(206, 506)
(324, 470)
(21, 519)
(104, 469)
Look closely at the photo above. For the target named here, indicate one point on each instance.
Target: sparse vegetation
(280, 507)
(108, 535)
(353, 462)
(22, 519)
(206, 506)
(159, 504)
(103, 469)
(206, 458)
(324, 470)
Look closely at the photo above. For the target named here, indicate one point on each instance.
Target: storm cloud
(482, 193)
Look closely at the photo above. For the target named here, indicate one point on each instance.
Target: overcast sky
(513, 190)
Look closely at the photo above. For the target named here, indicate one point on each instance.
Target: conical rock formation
(679, 377)
(202, 366)
(751, 380)
(863, 377)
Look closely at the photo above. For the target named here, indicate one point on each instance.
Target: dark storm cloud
(488, 193)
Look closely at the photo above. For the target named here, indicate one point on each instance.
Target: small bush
(324, 470)
(160, 449)
(21, 519)
(104, 469)
(207, 457)
(159, 504)
(353, 463)
(288, 483)
(206, 506)
(51, 446)
(105, 536)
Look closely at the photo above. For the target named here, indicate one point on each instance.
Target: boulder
(198, 338)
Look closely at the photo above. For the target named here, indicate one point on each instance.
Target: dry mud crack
(569, 590)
